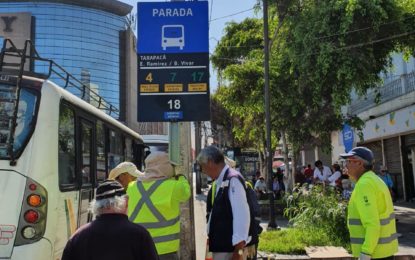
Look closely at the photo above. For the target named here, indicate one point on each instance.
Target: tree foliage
(323, 50)
(237, 56)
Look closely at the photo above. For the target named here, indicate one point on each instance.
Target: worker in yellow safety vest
(371, 218)
(154, 203)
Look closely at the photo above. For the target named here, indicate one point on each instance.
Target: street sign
(172, 27)
(173, 61)
(348, 137)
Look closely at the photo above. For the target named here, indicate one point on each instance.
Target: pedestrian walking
(261, 188)
(124, 173)
(229, 221)
(371, 217)
(386, 177)
(111, 235)
(155, 199)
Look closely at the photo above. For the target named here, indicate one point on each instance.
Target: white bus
(156, 143)
(54, 150)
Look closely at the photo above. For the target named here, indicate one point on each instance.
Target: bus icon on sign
(172, 36)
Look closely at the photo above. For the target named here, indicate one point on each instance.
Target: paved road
(405, 215)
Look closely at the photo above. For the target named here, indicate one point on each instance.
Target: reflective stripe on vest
(166, 238)
(382, 240)
(383, 222)
(161, 220)
(213, 192)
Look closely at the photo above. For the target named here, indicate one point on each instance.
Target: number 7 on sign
(173, 76)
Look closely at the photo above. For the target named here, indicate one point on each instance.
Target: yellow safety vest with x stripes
(371, 218)
(156, 206)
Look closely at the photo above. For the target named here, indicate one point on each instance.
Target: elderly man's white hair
(115, 204)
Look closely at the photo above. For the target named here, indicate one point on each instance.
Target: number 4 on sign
(149, 77)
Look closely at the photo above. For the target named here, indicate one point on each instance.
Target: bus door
(86, 169)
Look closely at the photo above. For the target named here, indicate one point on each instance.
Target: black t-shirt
(110, 237)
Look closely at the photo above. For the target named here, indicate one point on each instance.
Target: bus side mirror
(147, 153)
(196, 167)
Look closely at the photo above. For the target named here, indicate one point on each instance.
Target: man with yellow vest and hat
(154, 203)
(370, 217)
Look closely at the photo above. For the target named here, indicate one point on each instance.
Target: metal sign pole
(272, 224)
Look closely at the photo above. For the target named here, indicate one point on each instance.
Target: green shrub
(319, 208)
(292, 240)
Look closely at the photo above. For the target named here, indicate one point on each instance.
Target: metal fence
(399, 87)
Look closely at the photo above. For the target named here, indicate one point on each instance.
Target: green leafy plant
(319, 208)
(292, 240)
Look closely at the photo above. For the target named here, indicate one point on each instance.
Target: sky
(220, 12)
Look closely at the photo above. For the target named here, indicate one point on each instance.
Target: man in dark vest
(229, 221)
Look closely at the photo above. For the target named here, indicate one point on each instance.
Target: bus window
(139, 155)
(129, 149)
(116, 150)
(86, 135)
(67, 177)
(100, 142)
(25, 117)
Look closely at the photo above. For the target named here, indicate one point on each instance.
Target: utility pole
(197, 151)
(271, 224)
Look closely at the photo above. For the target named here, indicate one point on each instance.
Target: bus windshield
(26, 118)
(173, 32)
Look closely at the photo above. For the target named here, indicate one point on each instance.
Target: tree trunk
(287, 172)
(291, 183)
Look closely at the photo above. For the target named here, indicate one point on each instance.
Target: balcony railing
(399, 87)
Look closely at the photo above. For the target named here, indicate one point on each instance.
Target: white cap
(124, 167)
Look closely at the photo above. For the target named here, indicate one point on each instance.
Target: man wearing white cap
(155, 203)
(124, 173)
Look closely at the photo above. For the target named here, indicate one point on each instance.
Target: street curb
(270, 256)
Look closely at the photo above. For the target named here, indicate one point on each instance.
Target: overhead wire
(346, 47)
(331, 35)
(230, 15)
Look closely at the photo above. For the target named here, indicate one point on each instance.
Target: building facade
(389, 129)
(83, 36)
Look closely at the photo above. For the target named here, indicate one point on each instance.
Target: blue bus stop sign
(172, 27)
(173, 61)
(348, 137)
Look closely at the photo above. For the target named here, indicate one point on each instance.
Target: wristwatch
(240, 252)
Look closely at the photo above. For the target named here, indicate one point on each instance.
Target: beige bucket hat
(158, 166)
